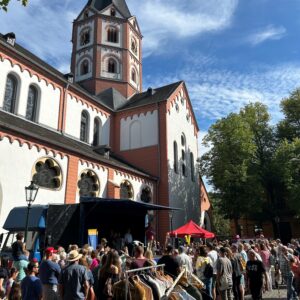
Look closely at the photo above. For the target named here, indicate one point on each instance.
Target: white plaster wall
(73, 118)
(137, 184)
(16, 167)
(49, 96)
(148, 135)
(102, 174)
(183, 192)
(105, 25)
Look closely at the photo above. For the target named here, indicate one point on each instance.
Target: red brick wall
(71, 184)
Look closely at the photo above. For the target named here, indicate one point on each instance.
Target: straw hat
(74, 255)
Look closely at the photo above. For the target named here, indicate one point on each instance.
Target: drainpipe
(64, 106)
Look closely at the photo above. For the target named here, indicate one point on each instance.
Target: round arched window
(126, 190)
(88, 184)
(146, 195)
(47, 173)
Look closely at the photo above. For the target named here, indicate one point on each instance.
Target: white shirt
(185, 260)
(213, 255)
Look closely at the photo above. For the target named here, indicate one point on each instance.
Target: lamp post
(30, 192)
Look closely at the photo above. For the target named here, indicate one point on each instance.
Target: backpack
(208, 271)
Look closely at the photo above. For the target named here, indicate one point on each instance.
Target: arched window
(183, 156)
(85, 37)
(10, 97)
(88, 184)
(146, 195)
(112, 35)
(84, 68)
(192, 166)
(112, 68)
(97, 132)
(133, 75)
(32, 101)
(47, 173)
(175, 157)
(113, 12)
(126, 190)
(133, 46)
(84, 126)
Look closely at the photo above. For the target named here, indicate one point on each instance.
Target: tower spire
(120, 5)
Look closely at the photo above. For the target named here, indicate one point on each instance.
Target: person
(255, 271)
(3, 272)
(13, 273)
(184, 259)
(18, 248)
(237, 272)
(49, 274)
(172, 266)
(224, 275)
(202, 263)
(91, 293)
(149, 256)
(95, 261)
(31, 285)
(73, 280)
(21, 266)
(139, 258)
(109, 274)
(15, 292)
(128, 239)
(213, 255)
(265, 256)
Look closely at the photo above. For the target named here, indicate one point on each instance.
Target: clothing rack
(137, 270)
(169, 291)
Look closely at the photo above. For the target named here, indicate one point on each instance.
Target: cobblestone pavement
(281, 295)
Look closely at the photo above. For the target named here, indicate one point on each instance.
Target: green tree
(289, 127)
(4, 3)
(287, 160)
(226, 166)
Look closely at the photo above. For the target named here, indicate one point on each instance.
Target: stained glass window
(31, 104)
(10, 94)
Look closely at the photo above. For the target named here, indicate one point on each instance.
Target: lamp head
(31, 192)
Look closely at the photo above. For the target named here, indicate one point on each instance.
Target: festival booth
(70, 224)
(193, 230)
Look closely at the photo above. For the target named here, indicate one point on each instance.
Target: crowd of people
(228, 270)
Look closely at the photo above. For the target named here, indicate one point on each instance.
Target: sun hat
(74, 255)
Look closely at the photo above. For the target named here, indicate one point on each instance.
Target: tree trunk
(236, 226)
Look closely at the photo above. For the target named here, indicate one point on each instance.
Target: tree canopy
(254, 166)
(4, 3)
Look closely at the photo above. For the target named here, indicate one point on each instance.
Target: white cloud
(163, 21)
(216, 93)
(269, 33)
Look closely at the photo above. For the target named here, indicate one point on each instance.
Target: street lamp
(30, 192)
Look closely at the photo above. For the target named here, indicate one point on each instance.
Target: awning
(124, 204)
(16, 220)
(193, 230)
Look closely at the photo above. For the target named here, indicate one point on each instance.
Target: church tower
(107, 48)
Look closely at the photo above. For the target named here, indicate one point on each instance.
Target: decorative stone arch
(85, 36)
(135, 134)
(37, 100)
(47, 173)
(106, 58)
(134, 71)
(12, 96)
(126, 190)
(134, 45)
(79, 64)
(88, 184)
(112, 34)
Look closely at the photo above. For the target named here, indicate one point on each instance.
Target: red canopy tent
(193, 230)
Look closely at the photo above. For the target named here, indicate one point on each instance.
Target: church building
(95, 131)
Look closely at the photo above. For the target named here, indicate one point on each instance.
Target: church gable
(112, 11)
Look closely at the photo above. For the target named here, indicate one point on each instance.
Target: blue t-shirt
(49, 272)
(31, 287)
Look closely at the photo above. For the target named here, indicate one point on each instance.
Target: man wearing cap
(73, 281)
(49, 274)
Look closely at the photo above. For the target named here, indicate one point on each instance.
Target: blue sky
(229, 52)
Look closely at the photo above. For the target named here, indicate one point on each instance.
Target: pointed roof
(119, 4)
(111, 98)
(192, 229)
